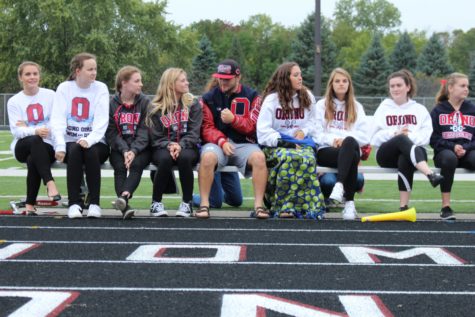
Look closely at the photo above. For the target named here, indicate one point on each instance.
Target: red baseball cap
(227, 69)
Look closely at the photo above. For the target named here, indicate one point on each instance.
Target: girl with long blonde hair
(174, 120)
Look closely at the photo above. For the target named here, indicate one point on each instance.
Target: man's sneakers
(349, 212)
(435, 179)
(158, 210)
(446, 213)
(75, 211)
(94, 211)
(337, 193)
(184, 210)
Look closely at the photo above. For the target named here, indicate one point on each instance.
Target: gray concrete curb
(218, 213)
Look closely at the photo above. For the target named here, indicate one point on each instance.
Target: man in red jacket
(230, 112)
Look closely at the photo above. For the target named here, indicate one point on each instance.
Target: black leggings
(346, 158)
(38, 156)
(130, 182)
(400, 152)
(164, 162)
(447, 161)
(91, 158)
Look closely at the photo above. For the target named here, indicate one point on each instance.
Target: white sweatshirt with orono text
(390, 118)
(326, 132)
(273, 120)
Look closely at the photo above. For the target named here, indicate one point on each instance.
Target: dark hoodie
(181, 126)
(127, 130)
(452, 127)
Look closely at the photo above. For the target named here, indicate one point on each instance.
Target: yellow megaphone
(406, 215)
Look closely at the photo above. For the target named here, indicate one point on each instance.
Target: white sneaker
(337, 192)
(349, 212)
(94, 211)
(74, 211)
(184, 210)
(158, 210)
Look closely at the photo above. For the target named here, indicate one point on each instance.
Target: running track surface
(235, 267)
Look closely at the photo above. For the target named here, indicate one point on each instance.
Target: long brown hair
(280, 83)
(350, 100)
(77, 62)
(443, 93)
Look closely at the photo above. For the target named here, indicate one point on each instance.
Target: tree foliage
(404, 54)
(369, 15)
(462, 46)
(370, 78)
(433, 60)
(303, 50)
(471, 75)
(203, 65)
(119, 32)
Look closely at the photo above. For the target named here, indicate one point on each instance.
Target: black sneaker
(403, 208)
(128, 213)
(435, 179)
(121, 203)
(446, 213)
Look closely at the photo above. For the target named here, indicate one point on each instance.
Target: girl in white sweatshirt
(284, 126)
(401, 130)
(79, 121)
(29, 114)
(341, 130)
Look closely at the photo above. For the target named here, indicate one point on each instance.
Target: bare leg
(445, 199)
(257, 161)
(404, 198)
(208, 163)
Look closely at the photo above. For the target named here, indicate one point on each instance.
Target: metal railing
(369, 103)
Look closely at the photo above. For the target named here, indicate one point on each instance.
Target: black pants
(130, 182)
(91, 158)
(447, 161)
(346, 159)
(400, 152)
(38, 156)
(164, 162)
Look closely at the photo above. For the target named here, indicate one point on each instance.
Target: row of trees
(362, 36)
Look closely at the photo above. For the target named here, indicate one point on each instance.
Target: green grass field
(378, 196)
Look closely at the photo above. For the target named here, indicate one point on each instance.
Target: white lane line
(268, 263)
(238, 229)
(242, 243)
(236, 290)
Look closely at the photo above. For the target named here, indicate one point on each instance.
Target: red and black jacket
(245, 104)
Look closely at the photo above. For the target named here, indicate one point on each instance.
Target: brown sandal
(261, 213)
(202, 213)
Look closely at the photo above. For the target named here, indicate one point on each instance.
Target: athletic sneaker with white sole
(184, 210)
(94, 211)
(158, 210)
(349, 212)
(74, 211)
(337, 192)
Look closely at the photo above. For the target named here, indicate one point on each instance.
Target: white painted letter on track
(256, 305)
(369, 255)
(42, 303)
(156, 253)
(15, 249)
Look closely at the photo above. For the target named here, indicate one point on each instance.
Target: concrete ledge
(219, 213)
